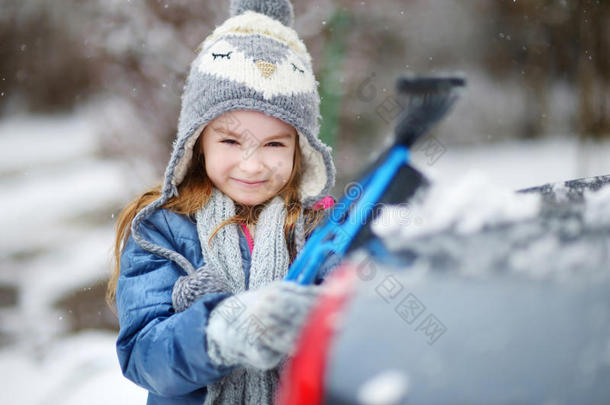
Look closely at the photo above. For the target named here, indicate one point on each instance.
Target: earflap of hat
(318, 170)
(182, 165)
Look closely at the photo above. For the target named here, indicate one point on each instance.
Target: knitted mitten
(190, 288)
(256, 328)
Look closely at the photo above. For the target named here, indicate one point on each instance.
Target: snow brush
(388, 180)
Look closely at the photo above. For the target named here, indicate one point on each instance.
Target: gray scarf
(270, 260)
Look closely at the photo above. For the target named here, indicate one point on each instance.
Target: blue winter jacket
(163, 351)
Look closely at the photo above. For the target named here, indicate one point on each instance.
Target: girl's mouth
(250, 183)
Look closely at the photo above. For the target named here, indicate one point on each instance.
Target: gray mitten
(257, 328)
(190, 288)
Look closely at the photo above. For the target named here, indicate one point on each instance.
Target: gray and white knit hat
(253, 61)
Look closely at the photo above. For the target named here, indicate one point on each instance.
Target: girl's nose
(251, 162)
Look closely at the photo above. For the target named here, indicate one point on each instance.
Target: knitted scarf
(270, 261)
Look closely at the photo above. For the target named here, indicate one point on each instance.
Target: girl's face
(249, 155)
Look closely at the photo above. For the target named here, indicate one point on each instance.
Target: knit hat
(253, 61)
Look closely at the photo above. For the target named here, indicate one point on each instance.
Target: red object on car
(302, 382)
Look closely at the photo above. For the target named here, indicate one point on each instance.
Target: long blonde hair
(193, 193)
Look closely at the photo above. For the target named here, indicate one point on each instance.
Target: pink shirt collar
(324, 203)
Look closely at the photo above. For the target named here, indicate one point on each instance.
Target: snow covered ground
(56, 213)
(75, 370)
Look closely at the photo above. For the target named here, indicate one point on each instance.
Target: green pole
(331, 88)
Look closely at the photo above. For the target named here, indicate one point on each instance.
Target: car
(493, 297)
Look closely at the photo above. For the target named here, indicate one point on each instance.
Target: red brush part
(302, 381)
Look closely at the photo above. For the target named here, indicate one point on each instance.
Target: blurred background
(89, 102)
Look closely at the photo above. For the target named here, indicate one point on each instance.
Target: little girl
(204, 316)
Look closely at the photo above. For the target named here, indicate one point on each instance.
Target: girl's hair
(194, 192)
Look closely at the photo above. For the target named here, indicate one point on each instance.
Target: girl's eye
(275, 144)
(229, 141)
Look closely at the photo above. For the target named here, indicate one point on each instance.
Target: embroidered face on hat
(255, 61)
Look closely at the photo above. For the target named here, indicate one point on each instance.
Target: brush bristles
(426, 100)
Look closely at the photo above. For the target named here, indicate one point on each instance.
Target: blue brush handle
(345, 219)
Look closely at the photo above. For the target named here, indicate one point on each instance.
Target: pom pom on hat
(280, 10)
